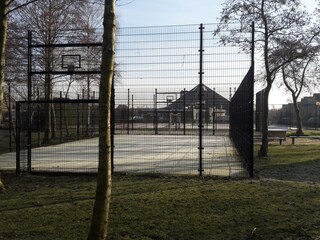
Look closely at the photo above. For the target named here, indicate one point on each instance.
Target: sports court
(178, 100)
(165, 154)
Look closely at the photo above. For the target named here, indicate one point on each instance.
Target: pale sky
(139, 13)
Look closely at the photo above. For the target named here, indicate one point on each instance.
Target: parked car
(312, 122)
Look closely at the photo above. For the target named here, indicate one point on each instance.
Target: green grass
(282, 202)
(299, 162)
(310, 132)
(38, 207)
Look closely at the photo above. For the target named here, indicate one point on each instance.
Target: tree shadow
(297, 172)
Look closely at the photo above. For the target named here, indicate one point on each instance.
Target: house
(214, 106)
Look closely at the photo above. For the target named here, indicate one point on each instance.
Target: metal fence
(171, 112)
(241, 120)
(49, 136)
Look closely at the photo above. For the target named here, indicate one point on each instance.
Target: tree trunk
(263, 152)
(100, 217)
(12, 122)
(47, 110)
(53, 121)
(2, 188)
(3, 40)
(298, 115)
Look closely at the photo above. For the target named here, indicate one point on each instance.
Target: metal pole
(184, 111)
(38, 110)
(29, 64)
(83, 128)
(156, 112)
(78, 117)
(200, 100)
(316, 117)
(17, 138)
(29, 99)
(176, 114)
(88, 109)
(214, 111)
(60, 117)
(251, 167)
(10, 119)
(128, 113)
(132, 112)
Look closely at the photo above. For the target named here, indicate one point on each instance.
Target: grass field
(282, 202)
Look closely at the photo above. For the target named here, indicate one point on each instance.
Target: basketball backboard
(70, 62)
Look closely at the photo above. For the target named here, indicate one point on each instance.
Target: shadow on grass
(307, 171)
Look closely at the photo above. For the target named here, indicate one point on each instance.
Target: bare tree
(100, 218)
(6, 7)
(298, 76)
(3, 40)
(48, 19)
(275, 21)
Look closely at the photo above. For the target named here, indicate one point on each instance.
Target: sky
(138, 13)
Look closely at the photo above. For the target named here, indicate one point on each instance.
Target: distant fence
(172, 92)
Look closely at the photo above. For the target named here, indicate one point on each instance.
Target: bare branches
(124, 4)
(279, 25)
(19, 6)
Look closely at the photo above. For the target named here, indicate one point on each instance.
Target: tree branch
(20, 6)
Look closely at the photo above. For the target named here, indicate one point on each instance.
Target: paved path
(172, 154)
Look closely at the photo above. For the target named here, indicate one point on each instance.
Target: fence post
(251, 169)
(10, 119)
(78, 117)
(60, 117)
(214, 111)
(29, 137)
(155, 119)
(38, 110)
(184, 111)
(17, 138)
(132, 112)
(83, 115)
(29, 99)
(200, 100)
(128, 113)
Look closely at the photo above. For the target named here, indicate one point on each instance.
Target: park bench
(275, 135)
(280, 139)
(293, 137)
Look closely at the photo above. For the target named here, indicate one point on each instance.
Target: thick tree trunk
(298, 115)
(3, 39)
(100, 218)
(263, 152)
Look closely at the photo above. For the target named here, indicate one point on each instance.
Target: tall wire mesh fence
(165, 118)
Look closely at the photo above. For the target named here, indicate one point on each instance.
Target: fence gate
(177, 91)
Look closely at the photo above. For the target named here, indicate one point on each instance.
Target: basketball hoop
(71, 62)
